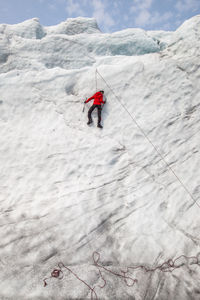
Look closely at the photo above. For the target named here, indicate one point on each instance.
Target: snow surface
(68, 190)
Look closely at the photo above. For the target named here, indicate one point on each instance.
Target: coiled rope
(168, 266)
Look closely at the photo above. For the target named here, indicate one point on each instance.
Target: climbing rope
(168, 266)
(149, 140)
(96, 79)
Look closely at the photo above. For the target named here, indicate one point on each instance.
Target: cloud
(144, 15)
(95, 8)
(101, 14)
(141, 6)
(74, 8)
(186, 5)
(143, 18)
(157, 18)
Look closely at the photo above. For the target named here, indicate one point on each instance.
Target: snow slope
(68, 190)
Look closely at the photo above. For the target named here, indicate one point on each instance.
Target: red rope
(122, 275)
(168, 266)
(56, 273)
(103, 280)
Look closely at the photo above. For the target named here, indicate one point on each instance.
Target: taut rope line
(149, 140)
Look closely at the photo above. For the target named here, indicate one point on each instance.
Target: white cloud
(142, 9)
(73, 7)
(101, 15)
(157, 18)
(186, 5)
(139, 5)
(144, 15)
(143, 18)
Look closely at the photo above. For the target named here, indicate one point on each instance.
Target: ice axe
(84, 105)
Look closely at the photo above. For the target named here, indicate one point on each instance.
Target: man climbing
(99, 98)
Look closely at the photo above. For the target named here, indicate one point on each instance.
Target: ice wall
(68, 190)
(71, 44)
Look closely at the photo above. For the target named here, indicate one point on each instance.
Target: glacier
(91, 203)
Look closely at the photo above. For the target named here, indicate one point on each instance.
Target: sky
(111, 15)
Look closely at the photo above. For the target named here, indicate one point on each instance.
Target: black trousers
(91, 110)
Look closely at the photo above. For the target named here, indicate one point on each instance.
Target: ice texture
(68, 190)
(73, 26)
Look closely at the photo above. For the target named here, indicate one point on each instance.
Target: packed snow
(130, 192)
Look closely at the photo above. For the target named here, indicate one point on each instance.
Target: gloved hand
(85, 101)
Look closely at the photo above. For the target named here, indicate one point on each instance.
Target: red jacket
(98, 99)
